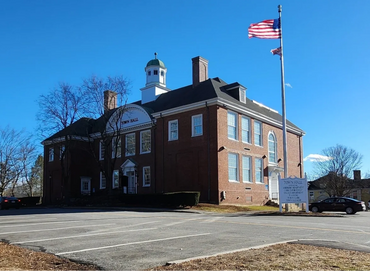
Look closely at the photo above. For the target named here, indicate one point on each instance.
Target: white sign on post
(293, 190)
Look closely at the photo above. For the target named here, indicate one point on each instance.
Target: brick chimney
(110, 100)
(357, 175)
(200, 70)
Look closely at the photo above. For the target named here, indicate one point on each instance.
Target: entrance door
(274, 186)
(131, 182)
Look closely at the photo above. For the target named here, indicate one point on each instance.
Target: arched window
(272, 148)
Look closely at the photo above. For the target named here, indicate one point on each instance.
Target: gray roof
(209, 89)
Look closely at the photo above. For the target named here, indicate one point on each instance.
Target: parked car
(348, 205)
(9, 202)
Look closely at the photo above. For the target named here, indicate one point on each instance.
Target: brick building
(206, 137)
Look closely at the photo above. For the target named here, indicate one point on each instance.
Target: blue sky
(326, 55)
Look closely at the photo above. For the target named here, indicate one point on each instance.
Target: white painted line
(55, 229)
(91, 234)
(213, 219)
(44, 223)
(130, 243)
(180, 222)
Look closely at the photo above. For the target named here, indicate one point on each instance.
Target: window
(61, 151)
(257, 133)
(246, 137)
(247, 177)
(197, 125)
(116, 147)
(162, 73)
(232, 126)
(149, 72)
(173, 130)
(259, 170)
(103, 181)
(115, 179)
(85, 185)
(130, 144)
(272, 148)
(51, 154)
(233, 167)
(101, 150)
(145, 141)
(146, 176)
(155, 72)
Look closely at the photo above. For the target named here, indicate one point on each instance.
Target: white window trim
(144, 184)
(170, 130)
(237, 168)
(113, 179)
(193, 126)
(249, 129)
(126, 148)
(255, 168)
(141, 141)
(275, 146)
(61, 151)
(116, 154)
(102, 177)
(236, 125)
(87, 191)
(51, 154)
(101, 148)
(260, 134)
(250, 169)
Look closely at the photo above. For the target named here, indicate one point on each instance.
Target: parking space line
(55, 229)
(130, 243)
(92, 234)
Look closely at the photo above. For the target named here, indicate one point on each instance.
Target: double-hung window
(233, 167)
(173, 130)
(130, 144)
(103, 181)
(116, 147)
(247, 177)
(197, 125)
(246, 137)
(115, 182)
(257, 133)
(145, 141)
(51, 154)
(232, 125)
(146, 176)
(259, 170)
(101, 150)
(62, 152)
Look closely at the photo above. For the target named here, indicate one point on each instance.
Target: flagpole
(283, 96)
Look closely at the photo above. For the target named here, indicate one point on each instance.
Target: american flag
(267, 29)
(276, 51)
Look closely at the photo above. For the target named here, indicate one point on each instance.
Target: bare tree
(66, 104)
(16, 149)
(107, 101)
(338, 169)
(33, 177)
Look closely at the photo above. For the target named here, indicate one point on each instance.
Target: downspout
(208, 153)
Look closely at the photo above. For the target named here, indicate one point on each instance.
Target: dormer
(237, 91)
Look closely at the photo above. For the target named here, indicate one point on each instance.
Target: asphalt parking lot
(141, 239)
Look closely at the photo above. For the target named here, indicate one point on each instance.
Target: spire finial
(155, 55)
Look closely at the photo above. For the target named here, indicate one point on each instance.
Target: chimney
(357, 175)
(200, 70)
(110, 100)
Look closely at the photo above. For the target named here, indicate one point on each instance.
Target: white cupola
(155, 71)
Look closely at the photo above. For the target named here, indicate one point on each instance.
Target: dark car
(9, 202)
(349, 205)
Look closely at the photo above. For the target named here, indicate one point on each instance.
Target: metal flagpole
(283, 96)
